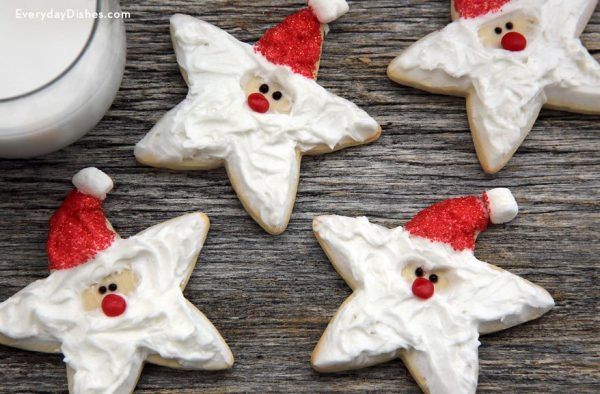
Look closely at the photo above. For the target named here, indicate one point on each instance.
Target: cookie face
(511, 32)
(114, 289)
(509, 58)
(420, 294)
(264, 96)
(126, 296)
(255, 110)
(428, 278)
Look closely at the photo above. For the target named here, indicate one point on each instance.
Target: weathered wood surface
(271, 297)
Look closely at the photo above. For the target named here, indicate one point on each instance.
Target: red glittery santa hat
(78, 229)
(458, 221)
(296, 42)
(474, 8)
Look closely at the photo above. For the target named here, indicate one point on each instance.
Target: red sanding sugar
(78, 231)
(455, 222)
(474, 8)
(295, 42)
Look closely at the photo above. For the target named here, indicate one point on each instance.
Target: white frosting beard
(107, 353)
(214, 125)
(509, 88)
(382, 320)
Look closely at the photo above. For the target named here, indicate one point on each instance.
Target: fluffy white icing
(328, 10)
(509, 88)
(107, 353)
(502, 205)
(214, 125)
(383, 320)
(93, 182)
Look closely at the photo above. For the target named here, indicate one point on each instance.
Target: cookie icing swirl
(159, 324)
(214, 125)
(507, 89)
(383, 320)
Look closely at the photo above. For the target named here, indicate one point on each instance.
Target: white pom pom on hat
(327, 11)
(502, 205)
(93, 182)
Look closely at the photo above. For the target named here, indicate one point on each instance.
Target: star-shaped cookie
(110, 304)
(509, 58)
(255, 110)
(420, 294)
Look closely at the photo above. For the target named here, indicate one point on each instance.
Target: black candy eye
(498, 30)
(419, 272)
(509, 26)
(102, 289)
(433, 278)
(264, 88)
(112, 287)
(277, 95)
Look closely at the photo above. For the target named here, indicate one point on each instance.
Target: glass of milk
(61, 66)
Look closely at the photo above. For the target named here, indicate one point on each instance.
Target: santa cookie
(256, 109)
(109, 304)
(420, 294)
(509, 58)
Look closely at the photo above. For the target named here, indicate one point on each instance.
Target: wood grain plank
(271, 297)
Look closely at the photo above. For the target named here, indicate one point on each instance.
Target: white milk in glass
(61, 66)
(36, 50)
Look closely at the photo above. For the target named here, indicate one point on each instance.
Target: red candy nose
(514, 41)
(258, 103)
(113, 305)
(422, 288)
